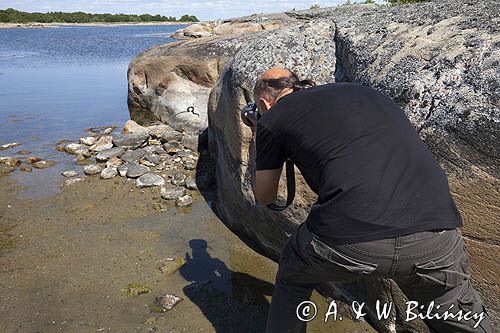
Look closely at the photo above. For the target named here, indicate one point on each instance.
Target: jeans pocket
(444, 272)
(342, 261)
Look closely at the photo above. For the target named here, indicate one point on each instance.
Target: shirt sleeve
(270, 153)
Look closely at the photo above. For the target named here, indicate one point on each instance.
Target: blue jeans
(428, 266)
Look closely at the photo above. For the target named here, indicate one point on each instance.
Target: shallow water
(56, 82)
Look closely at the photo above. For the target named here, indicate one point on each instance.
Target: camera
(250, 111)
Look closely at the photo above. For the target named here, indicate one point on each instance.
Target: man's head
(274, 84)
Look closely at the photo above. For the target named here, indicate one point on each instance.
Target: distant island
(11, 15)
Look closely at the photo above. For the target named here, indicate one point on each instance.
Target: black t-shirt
(356, 149)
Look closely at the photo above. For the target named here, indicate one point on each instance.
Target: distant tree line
(11, 15)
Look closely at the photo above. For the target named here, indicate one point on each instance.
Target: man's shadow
(231, 301)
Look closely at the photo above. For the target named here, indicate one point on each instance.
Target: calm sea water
(56, 82)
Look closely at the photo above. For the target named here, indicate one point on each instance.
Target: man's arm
(265, 185)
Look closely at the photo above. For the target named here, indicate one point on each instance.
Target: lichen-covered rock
(103, 143)
(438, 60)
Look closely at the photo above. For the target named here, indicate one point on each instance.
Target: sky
(204, 10)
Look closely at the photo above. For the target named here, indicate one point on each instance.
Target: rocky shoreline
(151, 156)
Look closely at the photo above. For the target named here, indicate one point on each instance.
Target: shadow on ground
(231, 301)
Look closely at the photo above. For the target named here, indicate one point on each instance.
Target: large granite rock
(438, 60)
(234, 26)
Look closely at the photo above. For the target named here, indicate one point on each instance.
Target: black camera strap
(290, 187)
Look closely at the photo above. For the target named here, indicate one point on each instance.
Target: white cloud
(204, 10)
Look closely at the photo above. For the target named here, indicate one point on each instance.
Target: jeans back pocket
(342, 261)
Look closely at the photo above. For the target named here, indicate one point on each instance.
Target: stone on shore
(184, 201)
(135, 171)
(172, 265)
(105, 155)
(122, 169)
(72, 181)
(92, 169)
(44, 164)
(167, 302)
(113, 162)
(109, 173)
(131, 140)
(88, 140)
(26, 168)
(134, 155)
(133, 127)
(32, 159)
(10, 161)
(148, 180)
(9, 145)
(190, 183)
(178, 179)
(5, 169)
(172, 193)
(70, 173)
(103, 143)
(72, 148)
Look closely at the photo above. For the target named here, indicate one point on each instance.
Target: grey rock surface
(190, 183)
(69, 173)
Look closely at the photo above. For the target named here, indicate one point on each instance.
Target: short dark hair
(270, 88)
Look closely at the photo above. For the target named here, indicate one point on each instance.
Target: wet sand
(65, 258)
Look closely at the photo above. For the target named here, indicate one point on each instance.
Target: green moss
(136, 289)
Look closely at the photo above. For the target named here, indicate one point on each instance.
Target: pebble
(147, 163)
(88, 140)
(133, 127)
(10, 161)
(114, 162)
(132, 140)
(104, 142)
(109, 173)
(172, 194)
(135, 171)
(155, 159)
(133, 155)
(9, 145)
(149, 179)
(172, 266)
(178, 179)
(24, 152)
(26, 168)
(4, 169)
(44, 164)
(171, 134)
(168, 301)
(72, 181)
(72, 148)
(70, 173)
(33, 159)
(184, 201)
(105, 155)
(190, 183)
(160, 207)
(122, 169)
(189, 164)
(92, 169)
(136, 289)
